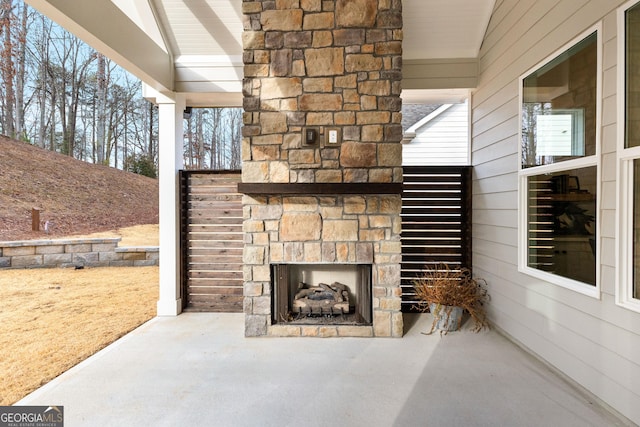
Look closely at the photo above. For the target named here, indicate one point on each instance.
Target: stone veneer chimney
(322, 65)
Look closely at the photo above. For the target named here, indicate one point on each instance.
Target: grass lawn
(53, 319)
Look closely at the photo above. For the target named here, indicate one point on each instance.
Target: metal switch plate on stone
(332, 136)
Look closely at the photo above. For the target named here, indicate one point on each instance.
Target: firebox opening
(336, 294)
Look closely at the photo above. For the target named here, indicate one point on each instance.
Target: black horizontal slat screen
(211, 241)
(436, 222)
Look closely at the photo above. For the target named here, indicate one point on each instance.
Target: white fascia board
(428, 118)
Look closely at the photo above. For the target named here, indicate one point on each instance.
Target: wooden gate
(211, 241)
(436, 222)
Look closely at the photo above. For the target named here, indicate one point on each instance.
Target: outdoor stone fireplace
(322, 167)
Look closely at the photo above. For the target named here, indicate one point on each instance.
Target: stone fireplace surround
(350, 229)
(322, 64)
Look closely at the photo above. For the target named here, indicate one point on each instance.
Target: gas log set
(321, 300)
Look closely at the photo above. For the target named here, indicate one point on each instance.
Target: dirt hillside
(74, 196)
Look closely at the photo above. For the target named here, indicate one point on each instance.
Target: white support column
(170, 162)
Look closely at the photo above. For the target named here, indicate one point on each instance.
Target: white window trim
(594, 160)
(624, 182)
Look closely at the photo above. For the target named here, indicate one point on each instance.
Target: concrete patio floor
(197, 369)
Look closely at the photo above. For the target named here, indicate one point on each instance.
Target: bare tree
(235, 128)
(212, 138)
(21, 71)
(100, 106)
(8, 68)
(58, 93)
(41, 51)
(214, 123)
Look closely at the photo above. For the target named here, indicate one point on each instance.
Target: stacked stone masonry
(322, 64)
(91, 252)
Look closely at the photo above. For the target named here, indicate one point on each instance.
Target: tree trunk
(200, 138)
(101, 82)
(8, 69)
(150, 146)
(20, 81)
(42, 86)
(236, 139)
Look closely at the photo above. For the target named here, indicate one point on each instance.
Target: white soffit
(432, 28)
(203, 27)
(444, 28)
(141, 14)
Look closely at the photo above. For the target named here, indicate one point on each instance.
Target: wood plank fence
(211, 241)
(436, 227)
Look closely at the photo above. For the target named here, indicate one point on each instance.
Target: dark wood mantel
(321, 188)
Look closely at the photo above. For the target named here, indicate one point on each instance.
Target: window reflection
(562, 219)
(559, 107)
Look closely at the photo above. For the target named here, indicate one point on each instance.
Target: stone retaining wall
(91, 252)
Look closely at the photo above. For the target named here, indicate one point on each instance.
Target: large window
(559, 173)
(628, 290)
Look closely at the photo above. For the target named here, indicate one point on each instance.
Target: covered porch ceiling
(195, 46)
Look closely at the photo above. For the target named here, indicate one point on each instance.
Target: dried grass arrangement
(444, 288)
